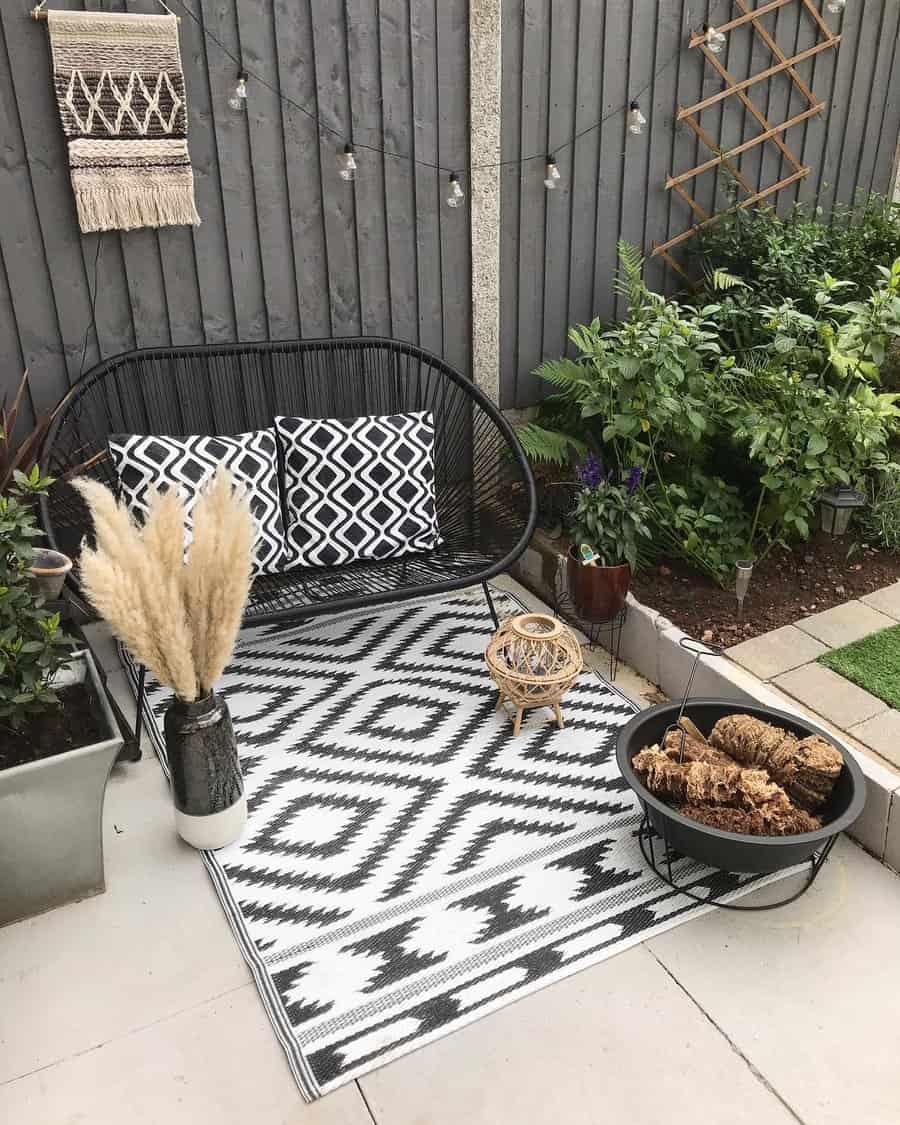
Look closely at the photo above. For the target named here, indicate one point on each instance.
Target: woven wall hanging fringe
(120, 91)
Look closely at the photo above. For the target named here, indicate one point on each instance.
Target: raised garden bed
(786, 586)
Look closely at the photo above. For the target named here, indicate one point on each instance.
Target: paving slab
(882, 734)
(217, 1062)
(845, 623)
(886, 600)
(829, 694)
(777, 652)
(155, 943)
(808, 993)
(620, 1042)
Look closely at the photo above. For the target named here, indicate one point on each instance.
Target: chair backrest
(234, 388)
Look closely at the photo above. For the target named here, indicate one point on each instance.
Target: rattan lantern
(534, 660)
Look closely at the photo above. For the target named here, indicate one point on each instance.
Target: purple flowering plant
(611, 514)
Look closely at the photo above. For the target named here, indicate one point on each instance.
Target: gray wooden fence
(286, 248)
(569, 63)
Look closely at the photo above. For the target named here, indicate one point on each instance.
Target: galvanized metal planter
(51, 822)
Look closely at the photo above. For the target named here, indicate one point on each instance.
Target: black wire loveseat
(484, 489)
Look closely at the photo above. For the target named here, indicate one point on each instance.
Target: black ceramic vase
(207, 787)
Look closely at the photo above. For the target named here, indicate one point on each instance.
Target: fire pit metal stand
(648, 836)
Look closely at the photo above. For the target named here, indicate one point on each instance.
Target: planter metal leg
(139, 713)
(490, 602)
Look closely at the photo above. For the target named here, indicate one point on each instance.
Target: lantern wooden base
(518, 711)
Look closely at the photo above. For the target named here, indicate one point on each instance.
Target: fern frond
(541, 444)
(629, 281)
(565, 374)
(720, 280)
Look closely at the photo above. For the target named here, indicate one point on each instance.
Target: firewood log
(806, 768)
(704, 784)
(695, 750)
(753, 822)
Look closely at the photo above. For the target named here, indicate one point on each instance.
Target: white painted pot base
(216, 830)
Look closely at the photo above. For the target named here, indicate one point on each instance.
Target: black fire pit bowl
(733, 851)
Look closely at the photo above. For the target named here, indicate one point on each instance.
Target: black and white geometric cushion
(146, 462)
(358, 488)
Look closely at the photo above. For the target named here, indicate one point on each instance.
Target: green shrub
(610, 517)
(780, 258)
(879, 522)
(32, 645)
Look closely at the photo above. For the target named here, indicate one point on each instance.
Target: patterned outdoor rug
(409, 866)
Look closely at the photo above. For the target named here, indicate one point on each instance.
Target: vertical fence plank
(844, 74)
(564, 76)
(235, 174)
(42, 135)
(333, 100)
(364, 65)
(665, 85)
(857, 139)
(452, 43)
(395, 64)
(585, 156)
(297, 73)
(887, 143)
(256, 28)
(430, 184)
(12, 362)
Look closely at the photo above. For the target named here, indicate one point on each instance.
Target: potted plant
(58, 738)
(609, 520)
(179, 618)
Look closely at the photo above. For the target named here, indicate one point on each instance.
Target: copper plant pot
(598, 592)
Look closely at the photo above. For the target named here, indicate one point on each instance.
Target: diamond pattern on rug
(408, 865)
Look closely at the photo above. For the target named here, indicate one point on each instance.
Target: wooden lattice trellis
(733, 88)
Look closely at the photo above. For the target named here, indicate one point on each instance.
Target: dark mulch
(788, 585)
(74, 723)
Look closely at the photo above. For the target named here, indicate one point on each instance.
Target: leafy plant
(32, 644)
(879, 521)
(610, 517)
(702, 520)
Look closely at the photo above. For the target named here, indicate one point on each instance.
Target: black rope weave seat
(484, 490)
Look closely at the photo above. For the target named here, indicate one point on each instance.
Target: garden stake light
(743, 571)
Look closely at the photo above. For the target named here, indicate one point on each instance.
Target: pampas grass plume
(179, 620)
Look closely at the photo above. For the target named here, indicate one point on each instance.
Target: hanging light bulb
(552, 175)
(715, 40)
(455, 195)
(836, 6)
(347, 163)
(636, 119)
(238, 99)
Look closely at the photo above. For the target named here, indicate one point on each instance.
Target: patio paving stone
(217, 1062)
(809, 994)
(620, 1042)
(776, 652)
(830, 695)
(882, 734)
(154, 944)
(844, 623)
(885, 600)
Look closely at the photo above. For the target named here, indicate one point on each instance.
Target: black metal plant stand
(662, 867)
(610, 629)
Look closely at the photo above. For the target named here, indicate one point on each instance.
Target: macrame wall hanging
(120, 91)
(748, 194)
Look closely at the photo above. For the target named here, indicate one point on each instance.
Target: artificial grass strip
(873, 663)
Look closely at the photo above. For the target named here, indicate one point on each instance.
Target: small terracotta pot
(598, 592)
(48, 572)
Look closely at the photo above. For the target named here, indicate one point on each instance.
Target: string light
(346, 163)
(836, 6)
(715, 40)
(636, 119)
(455, 195)
(238, 99)
(552, 175)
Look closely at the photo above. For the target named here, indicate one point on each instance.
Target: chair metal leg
(490, 602)
(139, 714)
